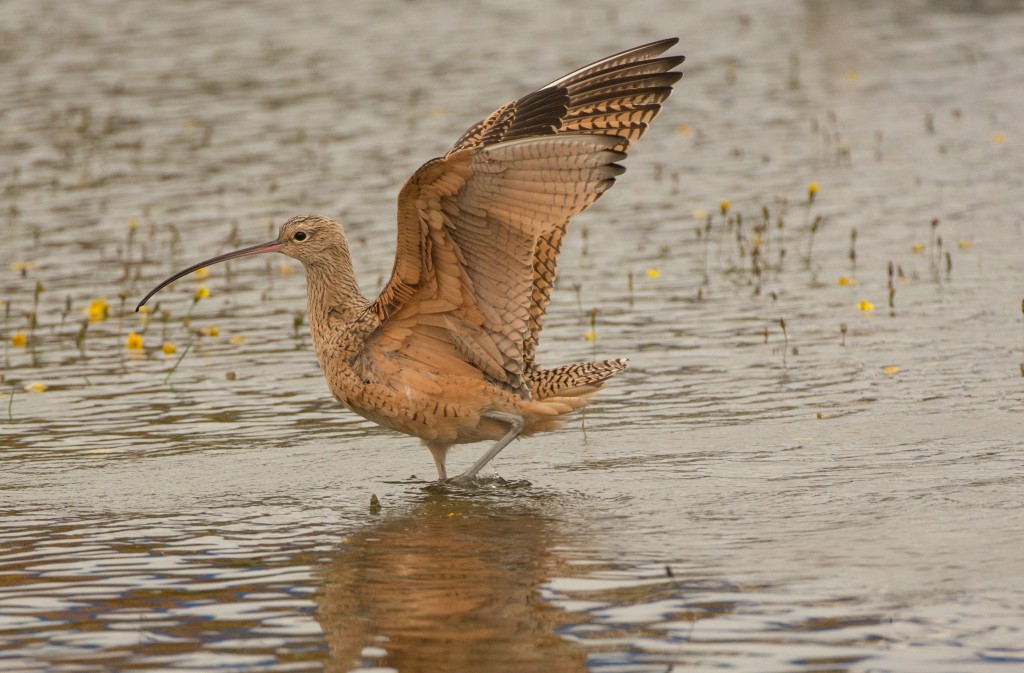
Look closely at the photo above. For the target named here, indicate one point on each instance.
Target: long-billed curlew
(446, 352)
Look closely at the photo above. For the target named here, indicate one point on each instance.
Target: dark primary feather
(614, 87)
(617, 96)
(509, 182)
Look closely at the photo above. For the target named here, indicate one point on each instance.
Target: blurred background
(814, 262)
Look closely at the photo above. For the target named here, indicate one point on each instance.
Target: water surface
(839, 494)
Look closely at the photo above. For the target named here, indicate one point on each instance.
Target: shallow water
(818, 498)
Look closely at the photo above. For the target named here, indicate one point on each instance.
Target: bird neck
(332, 295)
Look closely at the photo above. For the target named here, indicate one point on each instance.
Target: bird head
(307, 238)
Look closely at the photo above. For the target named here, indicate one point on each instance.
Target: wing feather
(477, 216)
(617, 96)
(480, 230)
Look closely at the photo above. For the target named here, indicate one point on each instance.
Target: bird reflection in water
(450, 584)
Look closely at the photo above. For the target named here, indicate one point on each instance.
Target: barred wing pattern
(467, 229)
(479, 230)
(617, 96)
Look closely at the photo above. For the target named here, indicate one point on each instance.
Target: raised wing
(479, 230)
(617, 96)
(468, 226)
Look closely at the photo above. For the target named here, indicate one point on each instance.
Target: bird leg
(515, 427)
(439, 452)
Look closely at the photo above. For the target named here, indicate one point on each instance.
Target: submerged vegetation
(82, 327)
(805, 236)
(752, 253)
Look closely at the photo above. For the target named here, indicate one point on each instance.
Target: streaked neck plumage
(333, 299)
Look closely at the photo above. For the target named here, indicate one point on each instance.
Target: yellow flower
(757, 241)
(133, 224)
(285, 269)
(812, 191)
(865, 305)
(23, 266)
(844, 281)
(133, 342)
(965, 245)
(18, 340)
(98, 310)
(700, 214)
(202, 292)
(891, 369)
(724, 206)
(685, 130)
(168, 348)
(653, 273)
(917, 248)
(590, 336)
(144, 311)
(35, 387)
(999, 137)
(201, 274)
(238, 339)
(209, 331)
(851, 75)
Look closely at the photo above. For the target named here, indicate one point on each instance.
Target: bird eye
(299, 236)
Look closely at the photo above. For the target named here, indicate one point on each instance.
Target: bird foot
(461, 480)
(479, 484)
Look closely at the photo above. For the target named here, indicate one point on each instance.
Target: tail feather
(576, 380)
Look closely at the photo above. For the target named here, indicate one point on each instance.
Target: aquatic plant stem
(178, 362)
(785, 341)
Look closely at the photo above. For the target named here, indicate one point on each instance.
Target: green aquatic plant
(810, 243)
(202, 292)
(178, 361)
(592, 334)
(853, 248)
(785, 341)
(892, 289)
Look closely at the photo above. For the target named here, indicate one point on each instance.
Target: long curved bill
(269, 246)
